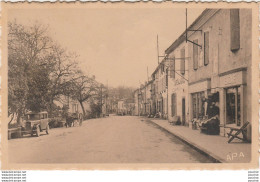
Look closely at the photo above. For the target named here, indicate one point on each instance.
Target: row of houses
(212, 59)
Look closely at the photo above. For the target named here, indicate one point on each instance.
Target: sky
(118, 46)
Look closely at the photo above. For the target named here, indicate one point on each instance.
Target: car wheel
(47, 129)
(38, 131)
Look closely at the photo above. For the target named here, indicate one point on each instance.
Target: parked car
(36, 123)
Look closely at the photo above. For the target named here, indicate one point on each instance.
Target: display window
(198, 105)
(233, 108)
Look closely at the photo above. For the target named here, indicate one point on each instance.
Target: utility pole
(158, 49)
(186, 27)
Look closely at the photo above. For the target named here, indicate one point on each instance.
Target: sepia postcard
(122, 85)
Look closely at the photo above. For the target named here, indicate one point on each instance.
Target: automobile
(35, 123)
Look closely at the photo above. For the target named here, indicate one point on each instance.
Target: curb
(201, 150)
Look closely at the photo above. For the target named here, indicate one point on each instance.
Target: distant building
(160, 91)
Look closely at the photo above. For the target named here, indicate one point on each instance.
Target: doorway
(183, 111)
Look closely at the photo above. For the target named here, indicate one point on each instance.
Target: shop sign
(199, 87)
(231, 79)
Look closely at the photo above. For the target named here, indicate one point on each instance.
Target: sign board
(232, 79)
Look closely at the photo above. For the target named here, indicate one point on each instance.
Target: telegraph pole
(158, 49)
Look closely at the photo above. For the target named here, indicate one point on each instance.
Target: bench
(17, 131)
(242, 130)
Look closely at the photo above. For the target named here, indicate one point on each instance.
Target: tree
(63, 72)
(83, 88)
(27, 48)
(39, 70)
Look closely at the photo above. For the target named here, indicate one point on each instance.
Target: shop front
(198, 93)
(233, 100)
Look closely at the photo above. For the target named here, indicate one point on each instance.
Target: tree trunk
(19, 115)
(83, 109)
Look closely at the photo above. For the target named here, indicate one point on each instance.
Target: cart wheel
(47, 129)
(38, 131)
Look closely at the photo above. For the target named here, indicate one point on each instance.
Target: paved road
(115, 139)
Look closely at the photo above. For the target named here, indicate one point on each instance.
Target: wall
(179, 85)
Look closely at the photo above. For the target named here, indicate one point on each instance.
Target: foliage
(40, 71)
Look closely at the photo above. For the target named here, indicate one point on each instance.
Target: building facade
(221, 67)
(160, 89)
(178, 102)
(208, 65)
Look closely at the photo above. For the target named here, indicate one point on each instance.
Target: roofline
(158, 66)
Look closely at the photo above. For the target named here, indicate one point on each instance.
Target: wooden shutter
(206, 48)
(195, 54)
(234, 30)
(183, 61)
(172, 68)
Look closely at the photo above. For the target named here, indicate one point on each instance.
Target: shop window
(233, 110)
(206, 48)
(173, 104)
(198, 105)
(172, 68)
(195, 55)
(183, 61)
(234, 30)
(194, 105)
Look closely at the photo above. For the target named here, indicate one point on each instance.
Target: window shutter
(206, 48)
(234, 30)
(172, 68)
(195, 55)
(183, 61)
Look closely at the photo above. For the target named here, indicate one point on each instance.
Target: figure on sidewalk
(211, 125)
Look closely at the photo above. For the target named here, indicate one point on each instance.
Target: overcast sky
(115, 45)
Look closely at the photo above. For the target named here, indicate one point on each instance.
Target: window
(183, 61)
(195, 55)
(206, 48)
(233, 110)
(162, 68)
(172, 68)
(234, 30)
(198, 105)
(173, 104)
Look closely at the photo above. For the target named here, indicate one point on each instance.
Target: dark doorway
(183, 111)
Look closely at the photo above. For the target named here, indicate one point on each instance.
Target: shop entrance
(233, 109)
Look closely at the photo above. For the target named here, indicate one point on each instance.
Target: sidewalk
(214, 146)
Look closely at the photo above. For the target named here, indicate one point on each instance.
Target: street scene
(114, 139)
(169, 85)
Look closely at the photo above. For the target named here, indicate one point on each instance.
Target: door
(183, 111)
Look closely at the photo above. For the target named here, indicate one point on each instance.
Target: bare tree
(83, 88)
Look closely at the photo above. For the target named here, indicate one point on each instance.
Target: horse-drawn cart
(74, 119)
